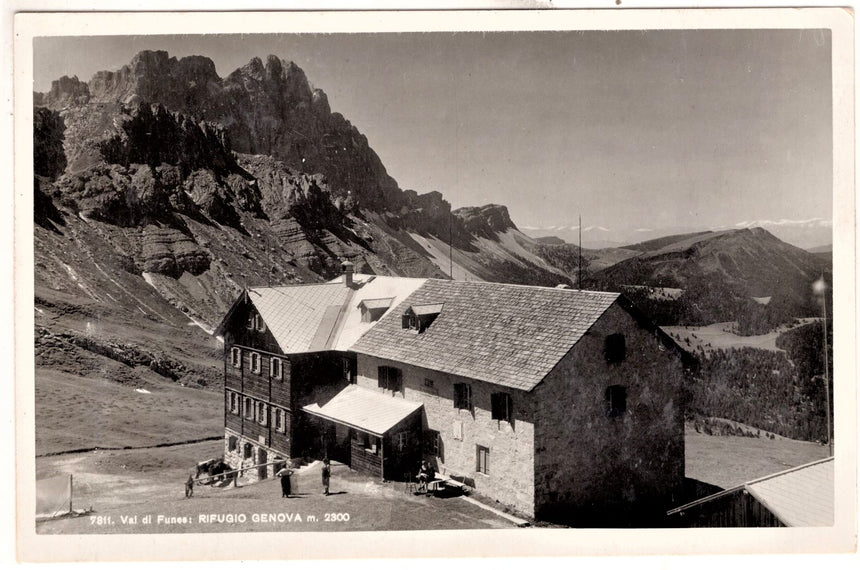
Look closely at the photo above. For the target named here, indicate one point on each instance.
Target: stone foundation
(236, 458)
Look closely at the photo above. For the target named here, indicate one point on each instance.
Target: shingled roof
(511, 335)
(301, 318)
(322, 316)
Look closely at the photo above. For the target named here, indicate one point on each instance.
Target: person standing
(326, 475)
(286, 487)
(189, 486)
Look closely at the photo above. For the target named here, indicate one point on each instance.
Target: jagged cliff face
(162, 190)
(266, 109)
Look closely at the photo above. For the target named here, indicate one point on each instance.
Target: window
(457, 430)
(428, 382)
(249, 451)
(233, 402)
(256, 323)
(370, 443)
(236, 357)
(431, 442)
(262, 413)
(616, 401)
(419, 317)
(276, 370)
(346, 369)
(402, 440)
(232, 443)
(483, 463)
(390, 378)
(502, 406)
(614, 348)
(248, 405)
(463, 396)
(280, 420)
(255, 363)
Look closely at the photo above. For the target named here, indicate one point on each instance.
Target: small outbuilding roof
(511, 335)
(800, 496)
(365, 409)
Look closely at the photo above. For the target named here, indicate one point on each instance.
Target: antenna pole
(579, 278)
(451, 245)
(826, 371)
(70, 493)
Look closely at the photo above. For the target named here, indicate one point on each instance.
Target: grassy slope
(720, 336)
(731, 461)
(74, 412)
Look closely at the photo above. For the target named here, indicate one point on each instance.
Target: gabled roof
(365, 409)
(301, 318)
(421, 310)
(376, 303)
(803, 496)
(800, 496)
(511, 335)
(323, 316)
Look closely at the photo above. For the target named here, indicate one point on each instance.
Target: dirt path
(124, 487)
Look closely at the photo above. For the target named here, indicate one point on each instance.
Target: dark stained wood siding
(281, 387)
(282, 441)
(241, 334)
(232, 374)
(305, 379)
(738, 509)
(231, 420)
(401, 462)
(364, 461)
(253, 430)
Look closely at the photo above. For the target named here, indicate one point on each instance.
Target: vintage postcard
(424, 284)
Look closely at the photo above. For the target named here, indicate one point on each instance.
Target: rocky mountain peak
(65, 91)
(487, 221)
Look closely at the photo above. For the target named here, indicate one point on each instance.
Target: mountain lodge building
(554, 402)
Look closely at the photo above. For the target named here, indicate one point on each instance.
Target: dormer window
(373, 309)
(419, 317)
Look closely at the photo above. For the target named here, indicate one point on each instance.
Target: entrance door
(262, 459)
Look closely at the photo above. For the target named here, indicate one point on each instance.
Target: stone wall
(594, 469)
(236, 458)
(511, 475)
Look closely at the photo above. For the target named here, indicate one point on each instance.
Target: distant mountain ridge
(800, 233)
(723, 276)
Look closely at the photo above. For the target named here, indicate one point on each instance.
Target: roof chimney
(347, 273)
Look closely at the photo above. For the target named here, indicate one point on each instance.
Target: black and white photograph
(499, 279)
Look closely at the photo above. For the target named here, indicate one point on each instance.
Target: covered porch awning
(365, 410)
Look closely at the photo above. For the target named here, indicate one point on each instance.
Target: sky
(629, 129)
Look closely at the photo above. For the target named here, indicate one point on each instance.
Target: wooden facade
(264, 388)
(263, 402)
(734, 509)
